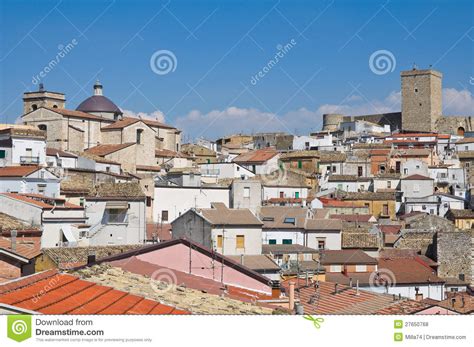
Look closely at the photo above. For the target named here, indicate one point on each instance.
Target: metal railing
(29, 160)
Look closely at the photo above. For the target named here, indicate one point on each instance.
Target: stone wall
(454, 254)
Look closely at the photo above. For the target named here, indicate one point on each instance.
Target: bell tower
(42, 98)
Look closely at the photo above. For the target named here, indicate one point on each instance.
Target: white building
(260, 162)
(227, 231)
(29, 180)
(212, 172)
(60, 221)
(21, 144)
(172, 201)
(62, 159)
(312, 142)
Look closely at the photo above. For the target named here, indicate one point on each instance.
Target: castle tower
(421, 100)
(42, 98)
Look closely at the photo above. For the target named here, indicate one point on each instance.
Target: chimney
(91, 259)
(335, 289)
(242, 259)
(292, 296)
(453, 300)
(13, 234)
(357, 287)
(350, 282)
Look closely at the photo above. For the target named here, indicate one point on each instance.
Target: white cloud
(155, 115)
(458, 102)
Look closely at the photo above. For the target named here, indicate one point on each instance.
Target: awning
(116, 205)
(68, 233)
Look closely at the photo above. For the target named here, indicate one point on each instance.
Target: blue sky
(220, 45)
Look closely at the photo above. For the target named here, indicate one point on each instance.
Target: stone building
(422, 108)
(97, 120)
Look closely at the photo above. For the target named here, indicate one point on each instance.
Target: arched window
(43, 127)
(34, 107)
(139, 136)
(55, 106)
(461, 131)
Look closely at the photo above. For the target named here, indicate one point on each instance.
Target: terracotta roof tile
(18, 171)
(103, 150)
(67, 294)
(258, 156)
(77, 114)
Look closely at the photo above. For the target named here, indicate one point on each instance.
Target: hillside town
(104, 213)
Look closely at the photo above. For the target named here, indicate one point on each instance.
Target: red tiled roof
(339, 203)
(166, 153)
(58, 152)
(18, 171)
(102, 150)
(409, 270)
(390, 229)
(67, 294)
(28, 250)
(258, 156)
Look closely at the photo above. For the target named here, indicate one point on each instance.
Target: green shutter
(3, 154)
(287, 242)
(272, 242)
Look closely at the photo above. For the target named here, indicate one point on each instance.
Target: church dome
(98, 102)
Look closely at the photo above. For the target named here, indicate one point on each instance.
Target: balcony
(28, 160)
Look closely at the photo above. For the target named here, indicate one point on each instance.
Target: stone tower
(42, 98)
(421, 100)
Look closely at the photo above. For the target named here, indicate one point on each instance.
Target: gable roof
(27, 250)
(18, 171)
(417, 177)
(102, 150)
(346, 256)
(256, 157)
(418, 272)
(273, 217)
(41, 201)
(59, 153)
(68, 294)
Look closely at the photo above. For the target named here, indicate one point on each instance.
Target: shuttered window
(240, 241)
(219, 241)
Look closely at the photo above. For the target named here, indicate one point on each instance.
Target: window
(139, 136)
(164, 216)
(81, 202)
(335, 268)
(289, 220)
(34, 107)
(300, 164)
(115, 215)
(297, 195)
(334, 168)
(361, 268)
(405, 171)
(219, 241)
(389, 184)
(306, 144)
(287, 241)
(382, 169)
(41, 188)
(362, 187)
(397, 167)
(3, 153)
(272, 242)
(385, 209)
(209, 161)
(240, 241)
(321, 243)
(359, 171)
(42, 127)
(246, 192)
(148, 201)
(282, 194)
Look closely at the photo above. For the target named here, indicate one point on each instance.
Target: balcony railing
(29, 160)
